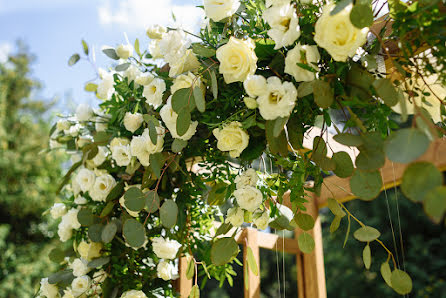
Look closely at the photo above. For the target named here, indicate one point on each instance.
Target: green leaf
(107, 209)
(277, 145)
(305, 242)
(85, 47)
(109, 232)
(85, 217)
(344, 165)
(214, 85)
(361, 15)
(152, 201)
(367, 256)
(370, 159)
(386, 273)
(99, 262)
(304, 89)
(340, 6)
(199, 99)
(217, 194)
(223, 250)
(348, 232)
(435, 203)
(334, 226)
(335, 208)
(95, 232)
(156, 163)
(223, 229)
(323, 94)
(116, 192)
(91, 87)
(195, 292)
(348, 139)
(181, 99)
(366, 185)
(136, 46)
(401, 282)
(111, 53)
(385, 89)
(366, 234)
(190, 271)
(56, 255)
(134, 199)
(122, 67)
(252, 264)
(419, 178)
(306, 67)
(202, 51)
(406, 145)
(101, 137)
(169, 213)
(279, 124)
(64, 276)
(73, 59)
(134, 233)
(178, 145)
(283, 219)
(304, 221)
(183, 121)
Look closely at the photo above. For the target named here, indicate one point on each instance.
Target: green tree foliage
(28, 179)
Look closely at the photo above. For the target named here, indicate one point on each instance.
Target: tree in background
(28, 179)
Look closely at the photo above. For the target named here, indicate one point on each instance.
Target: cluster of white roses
(249, 200)
(166, 250)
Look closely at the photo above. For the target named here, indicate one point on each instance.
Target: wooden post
(250, 240)
(183, 285)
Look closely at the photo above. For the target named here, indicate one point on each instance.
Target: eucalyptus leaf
(56, 255)
(134, 199)
(366, 185)
(169, 213)
(178, 145)
(323, 94)
(304, 89)
(367, 256)
(85, 217)
(252, 261)
(435, 203)
(361, 15)
(111, 53)
(156, 163)
(99, 262)
(366, 234)
(419, 178)
(95, 232)
(183, 121)
(348, 139)
(181, 99)
(217, 194)
(115, 193)
(279, 124)
(334, 226)
(401, 282)
(85, 47)
(305, 242)
(195, 292)
(91, 87)
(190, 271)
(152, 201)
(122, 67)
(107, 209)
(335, 208)
(109, 232)
(73, 59)
(153, 134)
(203, 51)
(386, 273)
(134, 233)
(223, 250)
(304, 221)
(344, 165)
(199, 99)
(406, 145)
(214, 85)
(340, 6)
(370, 159)
(386, 91)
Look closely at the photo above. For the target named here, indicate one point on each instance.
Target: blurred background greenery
(29, 176)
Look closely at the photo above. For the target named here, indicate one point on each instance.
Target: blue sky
(53, 30)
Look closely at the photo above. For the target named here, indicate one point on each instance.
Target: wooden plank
(250, 239)
(392, 173)
(183, 285)
(273, 242)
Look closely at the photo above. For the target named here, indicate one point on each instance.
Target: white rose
(122, 155)
(217, 10)
(231, 138)
(89, 251)
(165, 248)
(58, 210)
(284, 24)
(116, 142)
(279, 101)
(133, 294)
(144, 79)
(73, 131)
(124, 51)
(68, 293)
(48, 290)
(64, 231)
(255, 85)
(169, 118)
(248, 198)
(250, 102)
(248, 178)
(142, 146)
(235, 216)
(133, 121)
(84, 112)
(79, 267)
(186, 81)
(80, 285)
(82, 141)
(237, 60)
(261, 219)
(337, 35)
(156, 31)
(85, 178)
(154, 92)
(102, 187)
(79, 200)
(308, 55)
(132, 72)
(100, 157)
(106, 87)
(154, 49)
(99, 276)
(164, 270)
(173, 45)
(63, 124)
(70, 219)
(183, 63)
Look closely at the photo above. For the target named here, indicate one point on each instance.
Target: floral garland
(210, 126)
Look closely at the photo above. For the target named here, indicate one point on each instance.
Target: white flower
(58, 210)
(284, 24)
(100, 157)
(68, 293)
(165, 248)
(308, 55)
(102, 187)
(73, 131)
(235, 216)
(106, 87)
(63, 124)
(186, 81)
(82, 141)
(132, 72)
(184, 63)
(79, 267)
(70, 219)
(269, 3)
(164, 270)
(248, 198)
(133, 121)
(173, 45)
(156, 31)
(116, 142)
(261, 219)
(255, 85)
(154, 92)
(80, 200)
(80, 285)
(64, 231)
(124, 51)
(250, 102)
(99, 276)
(48, 290)
(144, 79)
(248, 178)
(101, 122)
(217, 10)
(279, 101)
(231, 138)
(133, 294)
(89, 251)
(85, 178)
(169, 118)
(337, 35)
(237, 60)
(122, 155)
(142, 146)
(84, 112)
(154, 49)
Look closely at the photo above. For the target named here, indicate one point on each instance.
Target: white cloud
(5, 50)
(139, 14)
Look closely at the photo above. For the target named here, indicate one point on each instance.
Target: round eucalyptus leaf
(134, 233)
(223, 250)
(419, 178)
(385, 89)
(367, 256)
(169, 213)
(361, 15)
(109, 232)
(401, 282)
(344, 165)
(406, 145)
(85, 217)
(386, 273)
(323, 94)
(56, 255)
(304, 221)
(366, 234)
(370, 160)
(180, 99)
(99, 262)
(178, 145)
(95, 232)
(183, 121)
(435, 203)
(348, 139)
(152, 201)
(366, 185)
(335, 208)
(134, 199)
(334, 226)
(306, 243)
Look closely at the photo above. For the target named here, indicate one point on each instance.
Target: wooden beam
(273, 242)
(250, 239)
(183, 285)
(392, 174)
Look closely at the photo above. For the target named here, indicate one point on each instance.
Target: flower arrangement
(211, 126)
